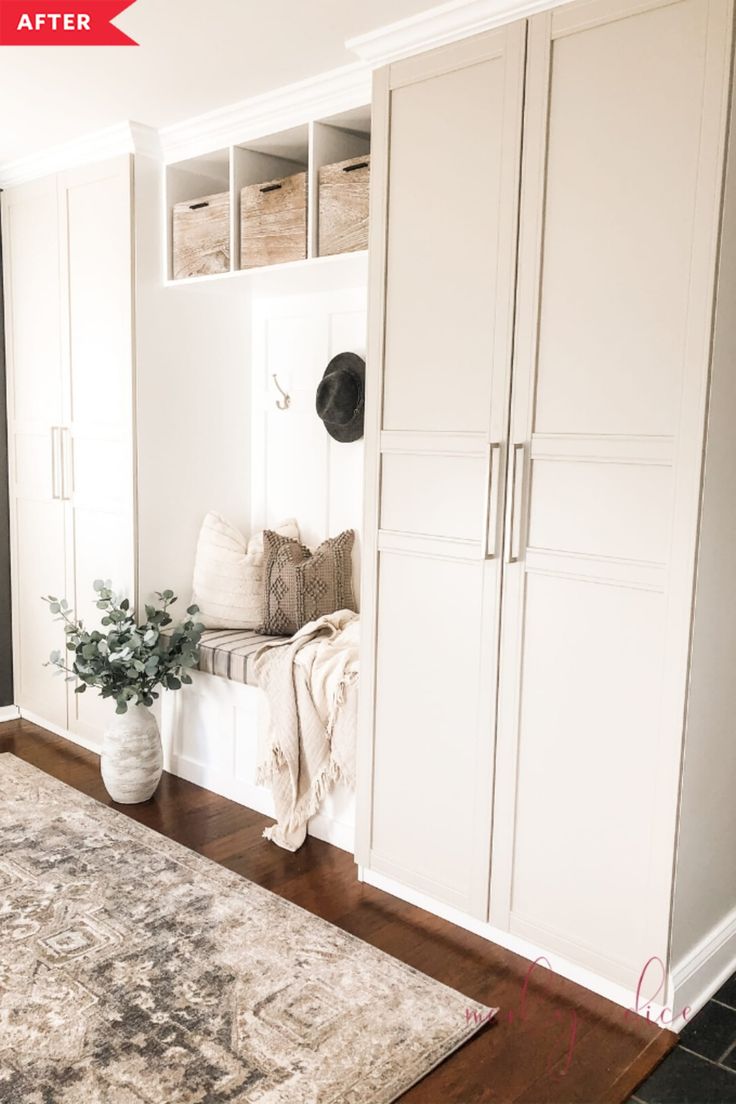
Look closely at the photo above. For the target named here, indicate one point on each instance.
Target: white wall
(705, 881)
(192, 404)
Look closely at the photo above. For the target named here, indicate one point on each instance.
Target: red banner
(66, 23)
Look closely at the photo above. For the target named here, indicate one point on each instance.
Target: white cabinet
(68, 282)
(31, 245)
(563, 660)
(451, 240)
(611, 367)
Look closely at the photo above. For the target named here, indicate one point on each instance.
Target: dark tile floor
(702, 1069)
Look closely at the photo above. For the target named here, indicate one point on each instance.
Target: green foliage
(128, 661)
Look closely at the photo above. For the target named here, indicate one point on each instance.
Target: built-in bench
(211, 733)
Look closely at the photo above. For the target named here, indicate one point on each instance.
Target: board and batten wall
(297, 469)
(6, 646)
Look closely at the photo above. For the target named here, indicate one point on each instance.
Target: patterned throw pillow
(300, 585)
(228, 574)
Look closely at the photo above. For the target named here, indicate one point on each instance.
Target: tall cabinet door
(95, 204)
(445, 167)
(624, 129)
(35, 417)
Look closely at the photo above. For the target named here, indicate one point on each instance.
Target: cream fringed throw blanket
(311, 685)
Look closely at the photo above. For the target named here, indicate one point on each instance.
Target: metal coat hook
(286, 398)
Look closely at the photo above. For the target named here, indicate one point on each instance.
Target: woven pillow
(299, 585)
(228, 574)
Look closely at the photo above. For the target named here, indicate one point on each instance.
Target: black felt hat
(341, 397)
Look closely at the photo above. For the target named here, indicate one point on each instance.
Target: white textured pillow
(228, 574)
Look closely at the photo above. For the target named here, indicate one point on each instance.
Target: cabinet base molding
(9, 713)
(702, 972)
(531, 951)
(58, 730)
(322, 827)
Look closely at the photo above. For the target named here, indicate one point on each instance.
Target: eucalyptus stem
(128, 661)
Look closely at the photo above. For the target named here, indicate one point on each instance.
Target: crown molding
(436, 27)
(291, 105)
(111, 142)
(145, 140)
(327, 94)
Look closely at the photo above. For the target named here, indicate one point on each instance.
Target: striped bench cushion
(226, 652)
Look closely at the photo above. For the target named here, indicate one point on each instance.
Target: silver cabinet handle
(56, 491)
(67, 467)
(517, 502)
(493, 499)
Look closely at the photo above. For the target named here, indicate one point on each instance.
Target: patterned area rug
(133, 971)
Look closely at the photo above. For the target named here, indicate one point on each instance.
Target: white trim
(122, 138)
(703, 970)
(531, 951)
(145, 140)
(303, 101)
(306, 276)
(257, 798)
(9, 713)
(336, 832)
(59, 730)
(440, 25)
(226, 785)
(291, 105)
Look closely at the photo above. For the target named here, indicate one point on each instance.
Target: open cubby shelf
(220, 176)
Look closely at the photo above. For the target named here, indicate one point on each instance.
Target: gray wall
(6, 658)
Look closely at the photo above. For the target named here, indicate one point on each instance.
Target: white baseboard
(702, 971)
(336, 832)
(37, 719)
(59, 730)
(532, 952)
(9, 713)
(258, 798)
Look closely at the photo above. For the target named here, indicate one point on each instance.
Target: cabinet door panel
(621, 509)
(446, 151)
(587, 761)
(427, 721)
(444, 194)
(35, 411)
(622, 163)
(623, 147)
(427, 494)
(99, 285)
(38, 548)
(98, 472)
(31, 247)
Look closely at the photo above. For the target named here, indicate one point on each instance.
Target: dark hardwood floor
(559, 1045)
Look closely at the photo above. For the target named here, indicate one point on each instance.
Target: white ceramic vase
(132, 759)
